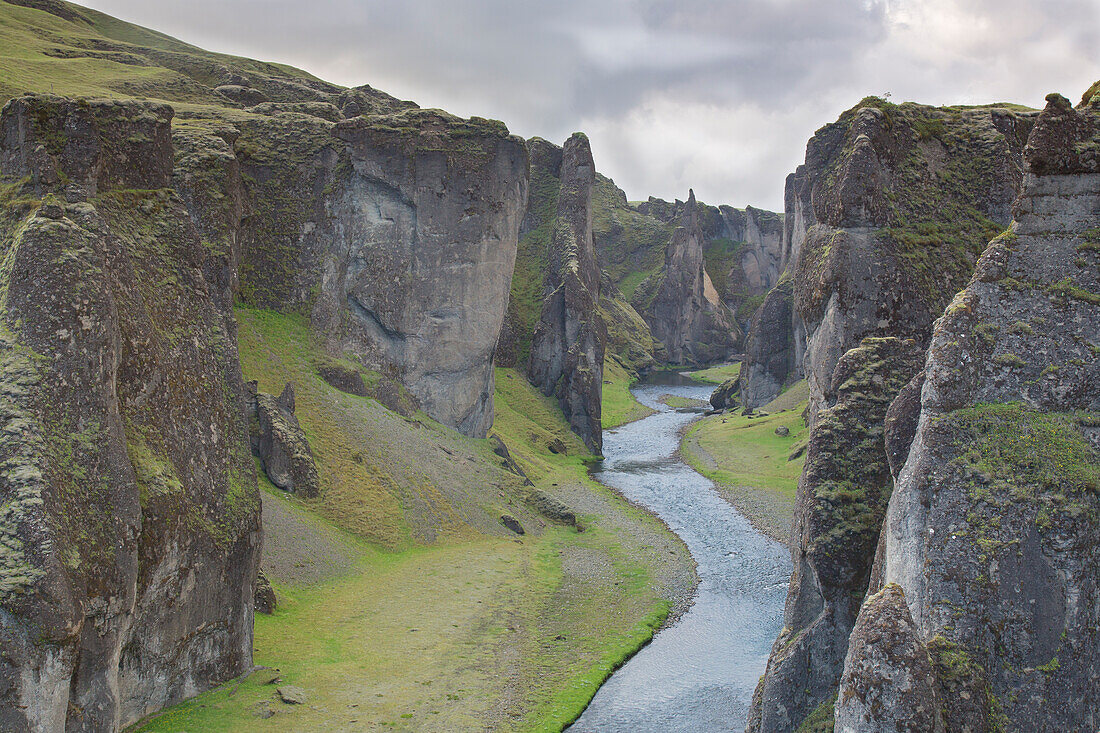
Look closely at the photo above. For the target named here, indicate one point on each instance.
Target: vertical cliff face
(842, 496)
(424, 245)
(887, 218)
(129, 527)
(396, 231)
(994, 526)
(884, 223)
(567, 347)
(680, 303)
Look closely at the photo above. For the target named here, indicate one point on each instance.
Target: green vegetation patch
(717, 374)
(618, 405)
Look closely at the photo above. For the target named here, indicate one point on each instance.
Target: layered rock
(888, 683)
(129, 528)
(992, 530)
(884, 223)
(842, 497)
(280, 443)
(567, 347)
(680, 304)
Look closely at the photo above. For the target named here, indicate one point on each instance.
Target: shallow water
(697, 675)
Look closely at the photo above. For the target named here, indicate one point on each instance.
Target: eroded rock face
(567, 348)
(680, 304)
(842, 498)
(129, 533)
(422, 253)
(888, 685)
(396, 232)
(280, 442)
(884, 223)
(994, 528)
(769, 361)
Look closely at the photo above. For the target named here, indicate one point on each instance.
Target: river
(697, 675)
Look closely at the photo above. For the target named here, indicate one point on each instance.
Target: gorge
(325, 411)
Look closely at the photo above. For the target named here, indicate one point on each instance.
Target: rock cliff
(567, 347)
(129, 527)
(992, 530)
(884, 223)
(680, 304)
(842, 496)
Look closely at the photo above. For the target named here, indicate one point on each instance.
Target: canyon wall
(991, 535)
(130, 524)
(884, 224)
(567, 347)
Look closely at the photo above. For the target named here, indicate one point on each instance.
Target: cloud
(713, 94)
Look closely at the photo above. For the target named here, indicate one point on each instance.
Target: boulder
(280, 443)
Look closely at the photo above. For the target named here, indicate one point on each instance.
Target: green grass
(717, 374)
(473, 630)
(618, 404)
(749, 462)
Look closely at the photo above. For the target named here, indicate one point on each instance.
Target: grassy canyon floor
(404, 604)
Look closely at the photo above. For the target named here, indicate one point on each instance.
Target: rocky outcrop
(842, 497)
(280, 443)
(567, 347)
(422, 253)
(769, 362)
(680, 304)
(129, 514)
(888, 684)
(992, 530)
(884, 223)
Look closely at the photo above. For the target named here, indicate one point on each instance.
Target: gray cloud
(720, 95)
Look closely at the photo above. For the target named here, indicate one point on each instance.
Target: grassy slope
(618, 404)
(94, 55)
(477, 629)
(748, 461)
(717, 374)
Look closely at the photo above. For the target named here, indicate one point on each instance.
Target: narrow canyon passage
(698, 674)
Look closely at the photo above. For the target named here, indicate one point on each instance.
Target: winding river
(697, 675)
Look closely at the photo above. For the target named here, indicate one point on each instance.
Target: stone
(265, 601)
(281, 444)
(501, 450)
(557, 446)
(511, 523)
(888, 682)
(782, 431)
(567, 347)
(291, 694)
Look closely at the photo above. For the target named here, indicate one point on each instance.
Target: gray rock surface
(129, 514)
(993, 528)
(888, 684)
(280, 442)
(842, 496)
(680, 304)
(567, 348)
(424, 243)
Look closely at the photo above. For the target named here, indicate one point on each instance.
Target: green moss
(617, 404)
(821, 719)
(1009, 360)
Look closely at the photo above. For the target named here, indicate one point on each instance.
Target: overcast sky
(719, 95)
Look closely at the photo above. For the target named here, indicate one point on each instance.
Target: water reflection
(699, 674)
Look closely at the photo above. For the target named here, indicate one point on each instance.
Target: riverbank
(403, 602)
(700, 673)
(750, 464)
